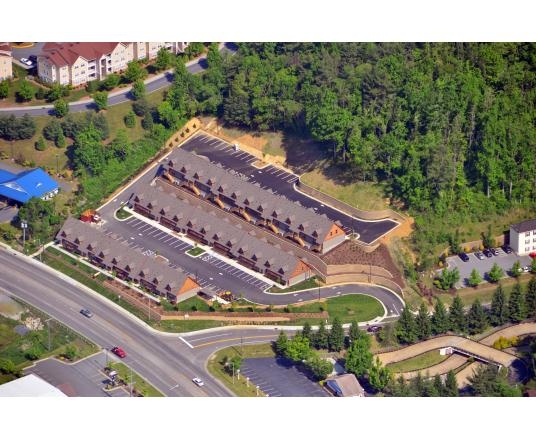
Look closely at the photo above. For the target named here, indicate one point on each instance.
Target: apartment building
(523, 237)
(78, 63)
(233, 193)
(128, 264)
(6, 59)
(226, 238)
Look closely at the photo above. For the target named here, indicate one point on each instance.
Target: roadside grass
(193, 304)
(216, 367)
(307, 284)
(363, 195)
(424, 360)
(184, 326)
(139, 384)
(195, 251)
(122, 214)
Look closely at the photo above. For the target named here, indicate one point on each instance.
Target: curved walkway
(454, 361)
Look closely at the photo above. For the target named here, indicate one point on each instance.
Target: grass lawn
(304, 285)
(193, 304)
(362, 195)
(121, 214)
(195, 251)
(176, 326)
(419, 362)
(141, 385)
(216, 366)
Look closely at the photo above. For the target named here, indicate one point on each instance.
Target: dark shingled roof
(527, 225)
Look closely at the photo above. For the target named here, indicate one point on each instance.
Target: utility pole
(23, 225)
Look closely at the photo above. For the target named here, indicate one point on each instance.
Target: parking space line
(170, 238)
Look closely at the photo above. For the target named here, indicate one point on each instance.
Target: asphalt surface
(503, 260)
(282, 183)
(123, 96)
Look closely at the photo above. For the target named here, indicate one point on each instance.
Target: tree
(451, 385)
(359, 357)
(4, 89)
(26, 91)
(496, 273)
(475, 278)
(52, 130)
(281, 344)
(379, 377)
(111, 81)
(448, 278)
(423, 323)
(130, 119)
(533, 266)
(386, 335)
(167, 114)
(70, 352)
(440, 319)
(164, 59)
(138, 90)
(40, 144)
(499, 309)
(353, 332)
(61, 108)
(336, 336)
(457, 319)
(55, 92)
(516, 304)
(530, 297)
(438, 386)
(321, 337)
(100, 122)
(320, 368)
(298, 348)
(140, 107)
(101, 100)
(477, 320)
(7, 366)
(60, 141)
(39, 215)
(405, 328)
(306, 330)
(134, 72)
(89, 153)
(516, 269)
(488, 381)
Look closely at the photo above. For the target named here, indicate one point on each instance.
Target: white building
(6, 59)
(30, 386)
(523, 237)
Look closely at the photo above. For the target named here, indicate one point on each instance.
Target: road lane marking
(186, 342)
(235, 339)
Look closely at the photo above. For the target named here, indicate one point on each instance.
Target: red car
(532, 255)
(118, 351)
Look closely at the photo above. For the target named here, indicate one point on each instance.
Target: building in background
(30, 386)
(523, 237)
(19, 188)
(6, 59)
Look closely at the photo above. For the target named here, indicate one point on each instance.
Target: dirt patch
(352, 253)
(402, 231)
(257, 142)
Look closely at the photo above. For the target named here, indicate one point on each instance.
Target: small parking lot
(280, 378)
(504, 260)
(82, 379)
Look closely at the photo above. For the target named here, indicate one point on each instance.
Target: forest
(448, 128)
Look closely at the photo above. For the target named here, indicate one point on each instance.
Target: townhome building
(234, 193)
(226, 238)
(128, 264)
(79, 63)
(6, 60)
(523, 237)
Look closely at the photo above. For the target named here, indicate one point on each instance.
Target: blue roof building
(23, 186)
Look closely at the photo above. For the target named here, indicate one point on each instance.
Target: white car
(198, 382)
(26, 61)
(526, 269)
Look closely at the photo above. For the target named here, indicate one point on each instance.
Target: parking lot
(280, 378)
(82, 379)
(504, 260)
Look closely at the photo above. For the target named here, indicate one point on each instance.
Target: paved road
(282, 183)
(162, 359)
(156, 83)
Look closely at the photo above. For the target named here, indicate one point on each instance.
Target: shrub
(40, 93)
(130, 119)
(41, 144)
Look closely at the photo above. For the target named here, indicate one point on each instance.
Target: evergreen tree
(336, 336)
(457, 320)
(516, 304)
(499, 309)
(475, 278)
(440, 319)
(530, 297)
(438, 386)
(405, 329)
(378, 376)
(477, 320)
(61, 108)
(138, 90)
(306, 330)
(281, 344)
(353, 333)
(496, 273)
(60, 140)
(423, 323)
(321, 337)
(451, 385)
(516, 269)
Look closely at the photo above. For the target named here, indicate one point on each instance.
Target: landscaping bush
(130, 119)
(41, 144)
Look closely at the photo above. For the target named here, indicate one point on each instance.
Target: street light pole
(48, 329)
(57, 166)
(23, 225)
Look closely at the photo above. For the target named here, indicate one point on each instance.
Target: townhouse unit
(226, 238)
(6, 59)
(78, 63)
(260, 207)
(523, 237)
(128, 264)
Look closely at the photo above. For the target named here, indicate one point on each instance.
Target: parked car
(532, 255)
(373, 328)
(526, 269)
(495, 252)
(507, 249)
(198, 382)
(86, 312)
(464, 256)
(487, 253)
(26, 61)
(118, 351)
(479, 255)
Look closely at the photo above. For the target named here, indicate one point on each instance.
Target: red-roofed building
(79, 63)
(6, 59)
